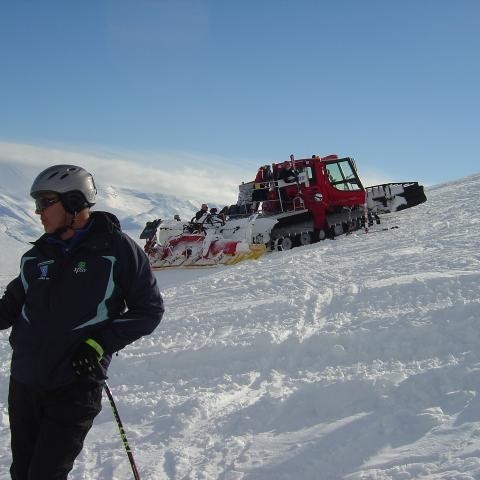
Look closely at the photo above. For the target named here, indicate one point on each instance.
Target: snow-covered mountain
(19, 224)
(353, 359)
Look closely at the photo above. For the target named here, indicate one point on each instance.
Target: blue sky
(230, 85)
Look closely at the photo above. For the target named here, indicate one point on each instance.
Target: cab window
(342, 176)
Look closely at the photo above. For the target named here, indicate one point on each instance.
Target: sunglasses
(42, 203)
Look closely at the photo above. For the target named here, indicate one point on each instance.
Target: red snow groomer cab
(315, 198)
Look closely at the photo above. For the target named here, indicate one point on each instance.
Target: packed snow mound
(354, 359)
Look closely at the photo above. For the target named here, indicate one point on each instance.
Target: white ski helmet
(74, 185)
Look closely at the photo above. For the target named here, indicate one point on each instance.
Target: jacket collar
(95, 235)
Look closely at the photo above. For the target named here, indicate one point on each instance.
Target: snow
(349, 359)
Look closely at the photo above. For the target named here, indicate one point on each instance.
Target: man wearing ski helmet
(85, 290)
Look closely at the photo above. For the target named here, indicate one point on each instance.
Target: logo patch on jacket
(81, 267)
(43, 266)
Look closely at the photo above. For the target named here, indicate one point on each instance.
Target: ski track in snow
(356, 358)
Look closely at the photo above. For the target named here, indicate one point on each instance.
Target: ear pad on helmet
(73, 201)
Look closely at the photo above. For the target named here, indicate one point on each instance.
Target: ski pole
(123, 435)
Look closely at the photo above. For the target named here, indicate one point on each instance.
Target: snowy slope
(355, 359)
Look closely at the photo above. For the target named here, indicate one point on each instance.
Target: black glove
(85, 360)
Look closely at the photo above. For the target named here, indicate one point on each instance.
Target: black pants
(48, 428)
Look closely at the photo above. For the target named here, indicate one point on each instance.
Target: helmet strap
(61, 230)
(72, 223)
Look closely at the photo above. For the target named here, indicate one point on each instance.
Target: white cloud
(195, 177)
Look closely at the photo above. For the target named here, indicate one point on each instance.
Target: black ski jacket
(101, 288)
